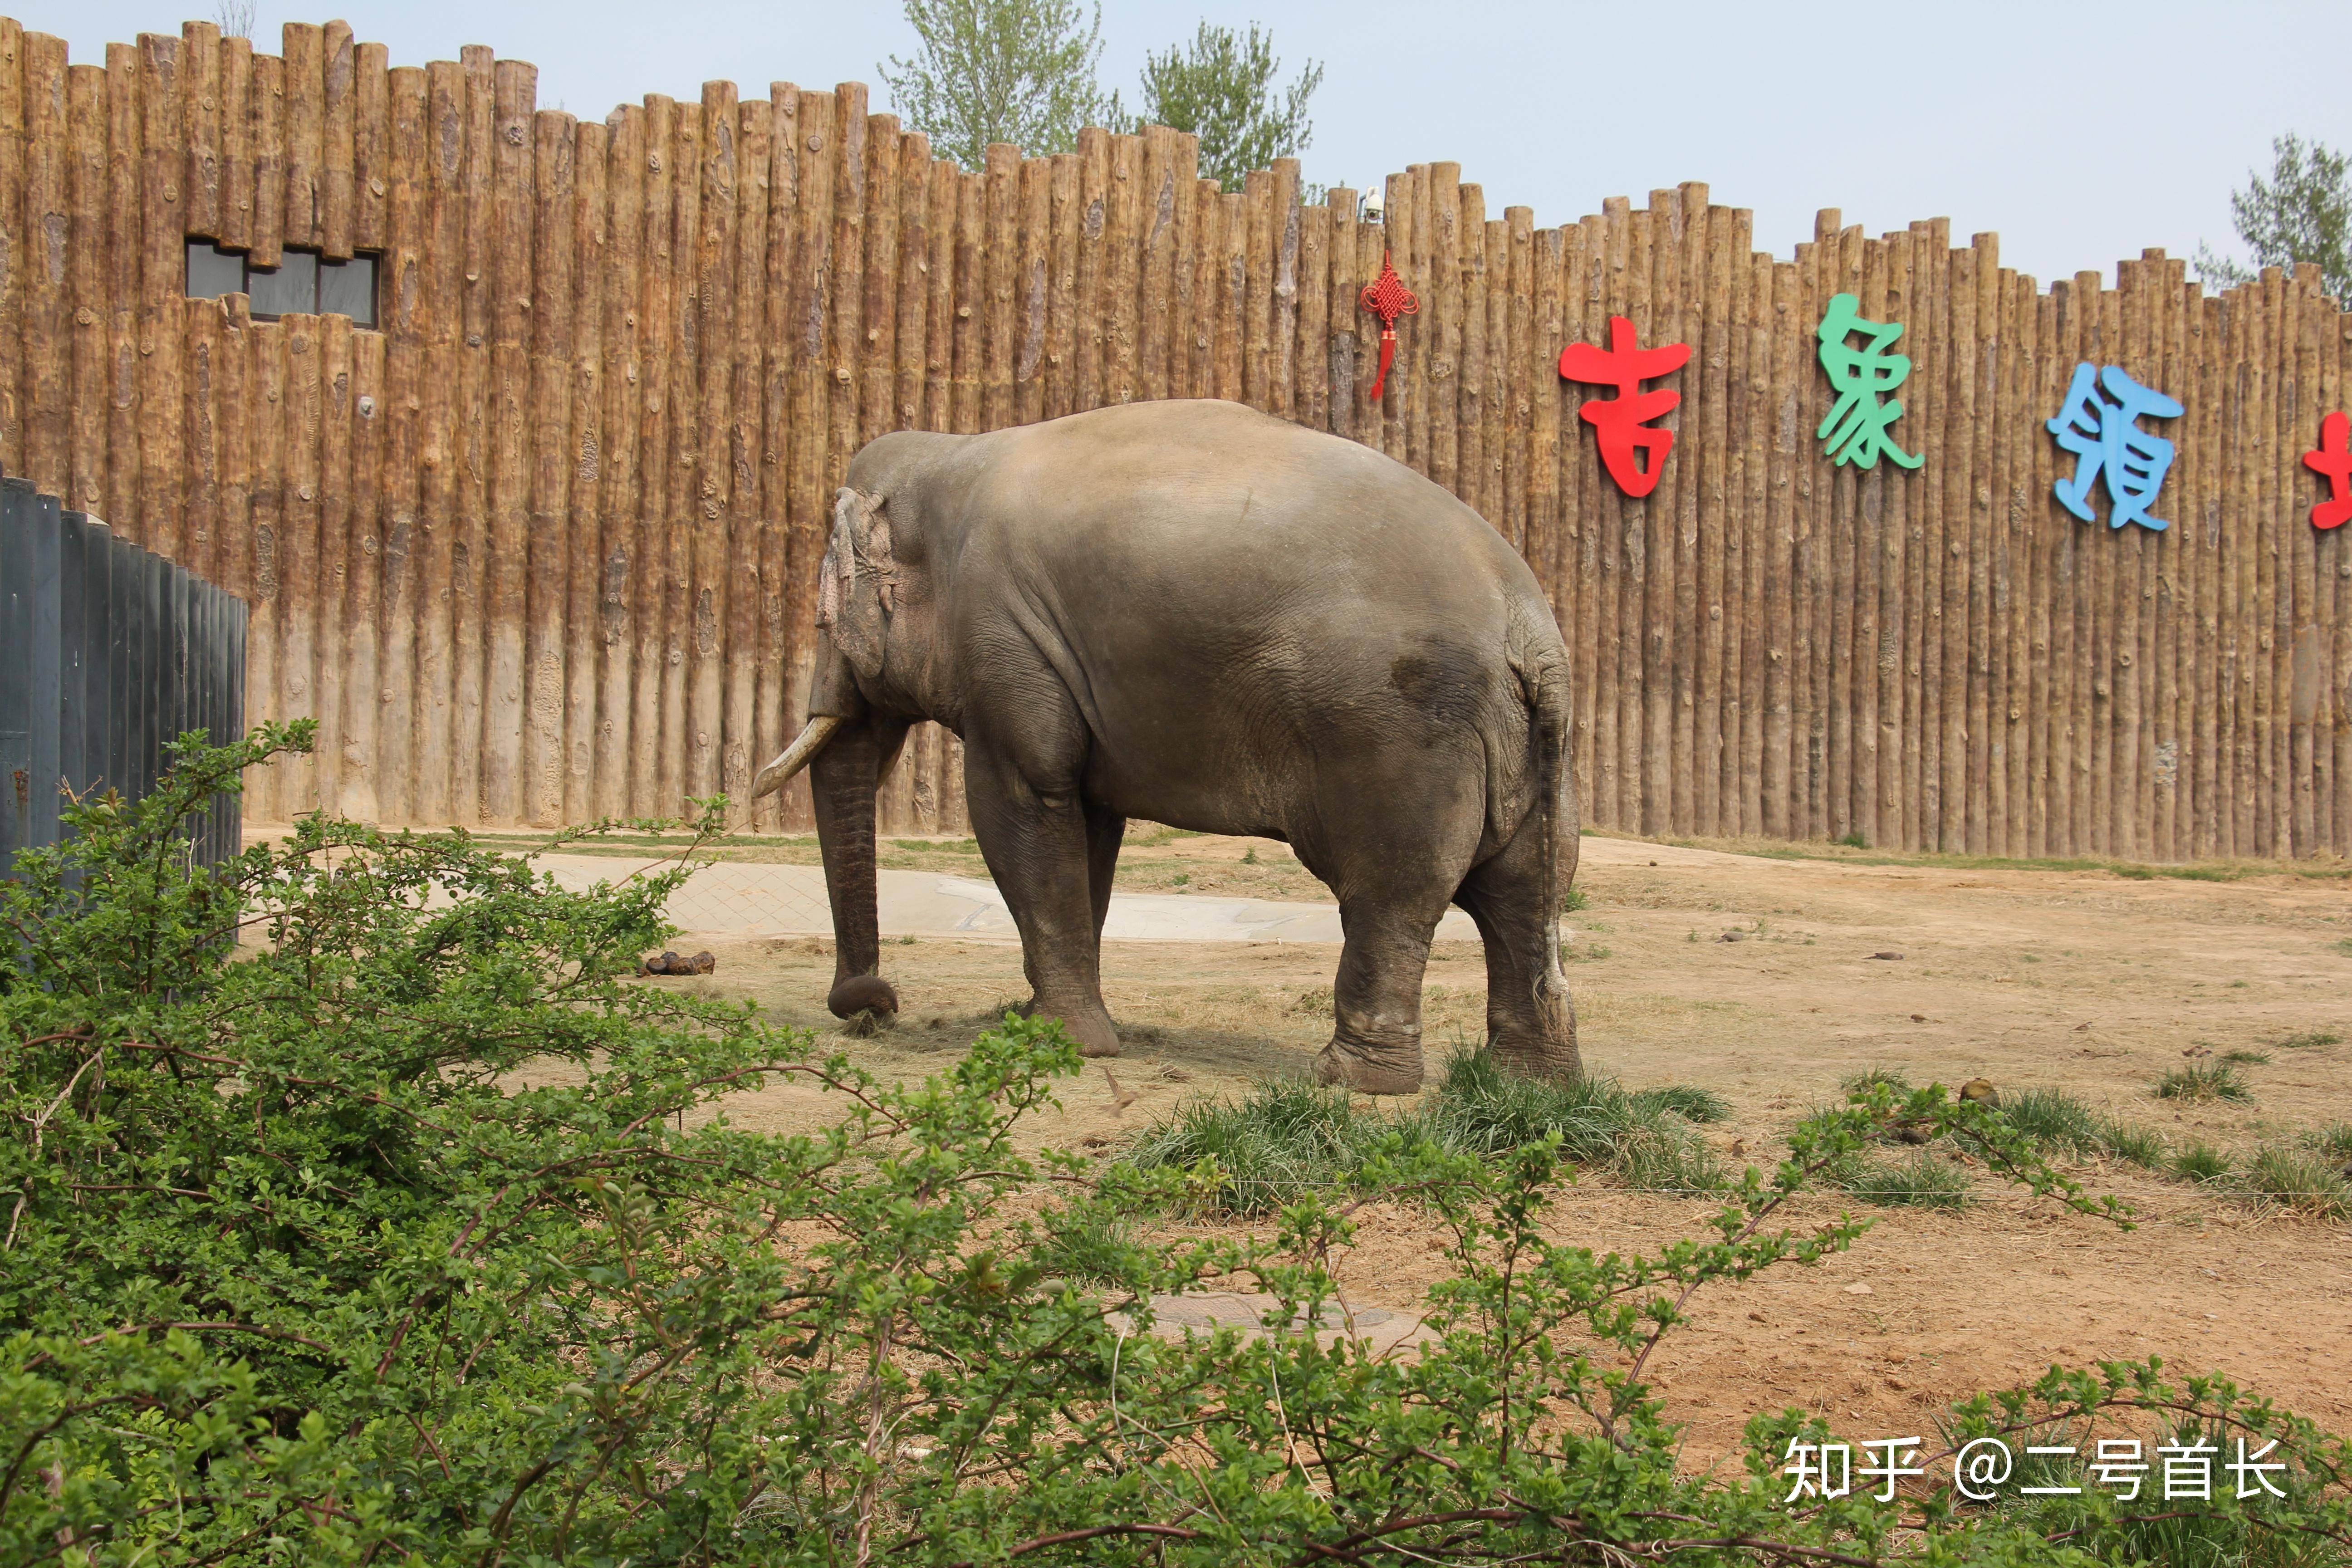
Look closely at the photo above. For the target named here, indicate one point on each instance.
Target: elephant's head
(872, 643)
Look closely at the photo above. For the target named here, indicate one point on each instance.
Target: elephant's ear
(859, 586)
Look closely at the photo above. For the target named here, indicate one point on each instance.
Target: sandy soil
(2083, 979)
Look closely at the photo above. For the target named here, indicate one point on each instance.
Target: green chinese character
(1855, 430)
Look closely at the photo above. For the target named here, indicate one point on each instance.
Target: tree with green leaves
(1000, 70)
(1221, 88)
(2302, 213)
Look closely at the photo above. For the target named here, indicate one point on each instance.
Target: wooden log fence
(539, 544)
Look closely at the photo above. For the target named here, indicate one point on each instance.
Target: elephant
(1194, 613)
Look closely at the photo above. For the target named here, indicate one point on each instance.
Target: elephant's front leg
(1040, 846)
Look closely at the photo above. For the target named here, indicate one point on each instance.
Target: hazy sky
(2080, 131)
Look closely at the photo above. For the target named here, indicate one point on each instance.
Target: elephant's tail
(1543, 670)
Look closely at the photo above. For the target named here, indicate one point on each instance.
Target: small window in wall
(303, 283)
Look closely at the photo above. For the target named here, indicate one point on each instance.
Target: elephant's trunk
(842, 782)
(797, 756)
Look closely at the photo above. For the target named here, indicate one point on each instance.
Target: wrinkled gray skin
(1198, 615)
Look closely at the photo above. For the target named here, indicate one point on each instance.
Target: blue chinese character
(2104, 440)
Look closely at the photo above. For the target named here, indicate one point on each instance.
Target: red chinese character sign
(1387, 298)
(2334, 461)
(1622, 423)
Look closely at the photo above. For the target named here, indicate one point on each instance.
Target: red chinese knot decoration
(1621, 422)
(2334, 459)
(1388, 298)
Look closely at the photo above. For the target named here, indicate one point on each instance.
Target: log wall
(542, 547)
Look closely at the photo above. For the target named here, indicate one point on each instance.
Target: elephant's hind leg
(1040, 846)
(1376, 1041)
(1514, 898)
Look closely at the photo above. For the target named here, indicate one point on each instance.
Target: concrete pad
(735, 898)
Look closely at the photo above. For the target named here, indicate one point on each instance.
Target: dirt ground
(2081, 980)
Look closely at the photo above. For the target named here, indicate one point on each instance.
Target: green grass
(2200, 1081)
(2247, 1059)
(1575, 902)
(1918, 1180)
(2299, 1180)
(2308, 1040)
(1286, 1137)
(2200, 1162)
(2333, 1140)
(2059, 1123)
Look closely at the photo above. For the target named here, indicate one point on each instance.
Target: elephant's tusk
(797, 756)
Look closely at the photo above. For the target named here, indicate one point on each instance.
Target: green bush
(2200, 1162)
(2299, 1180)
(2204, 1081)
(309, 1261)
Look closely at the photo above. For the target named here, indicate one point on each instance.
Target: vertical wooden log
(470, 543)
(942, 192)
(1063, 328)
(1494, 402)
(339, 148)
(1779, 719)
(239, 197)
(1001, 258)
(689, 748)
(1256, 293)
(549, 539)
(2335, 571)
(1467, 279)
(2126, 777)
(1232, 296)
(1711, 521)
(1282, 234)
(1983, 347)
(585, 240)
(1808, 683)
(972, 302)
(400, 438)
(2012, 431)
(1202, 323)
(1538, 322)
(922, 766)
(1615, 535)
(235, 390)
(1660, 318)
(305, 84)
(265, 135)
(266, 794)
(709, 501)
(200, 128)
(204, 325)
(297, 411)
(1123, 269)
(14, 149)
(1093, 218)
(1639, 612)
(1035, 225)
(619, 635)
(1556, 410)
(364, 756)
(1436, 401)
(507, 753)
(1756, 531)
(1156, 320)
(439, 326)
(2290, 535)
(1184, 264)
(372, 168)
(162, 280)
(1840, 272)
(47, 356)
(808, 511)
(337, 647)
(2045, 820)
(2103, 346)
(1312, 352)
(772, 718)
(747, 592)
(80, 362)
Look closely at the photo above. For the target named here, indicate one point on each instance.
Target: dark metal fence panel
(106, 653)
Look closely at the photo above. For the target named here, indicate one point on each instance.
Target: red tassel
(1388, 357)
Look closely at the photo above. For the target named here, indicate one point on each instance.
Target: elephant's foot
(1552, 1057)
(862, 993)
(1090, 1027)
(1370, 1070)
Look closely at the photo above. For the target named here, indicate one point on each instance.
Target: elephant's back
(1218, 575)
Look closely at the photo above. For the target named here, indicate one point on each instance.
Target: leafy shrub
(297, 1270)
(2200, 1162)
(2204, 1081)
(1287, 1137)
(2297, 1179)
(1918, 1180)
